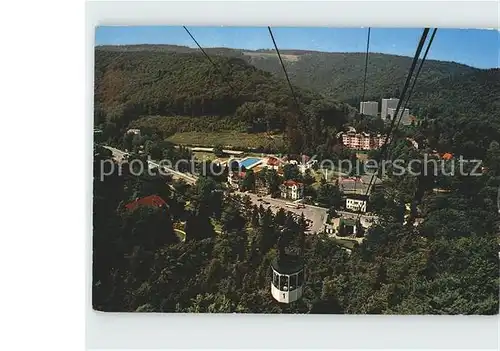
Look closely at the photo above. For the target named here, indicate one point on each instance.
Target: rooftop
(447, 156)
(291, 182)
(273, 161)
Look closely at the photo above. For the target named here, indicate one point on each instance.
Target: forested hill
(443, 87)
(129, 85)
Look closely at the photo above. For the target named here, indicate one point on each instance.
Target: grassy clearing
(228, 139)
(285, 57)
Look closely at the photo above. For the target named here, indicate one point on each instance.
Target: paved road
(189, 178)
(316, 215)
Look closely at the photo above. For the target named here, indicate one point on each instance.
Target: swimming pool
(250, 161)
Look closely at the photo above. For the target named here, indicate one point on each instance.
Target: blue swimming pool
(249, 161)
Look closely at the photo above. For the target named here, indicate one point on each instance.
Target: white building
(386, 105)
(356, 205)
(292, 190)
(369, 108)
(403, 115)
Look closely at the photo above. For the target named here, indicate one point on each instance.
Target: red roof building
(447, 156)
(291, 182)
(290, 189)
(273, 161)
(151, 201)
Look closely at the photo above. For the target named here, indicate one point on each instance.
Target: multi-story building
(369, 108)
(386, 105)
(361, 141)
(292, 190)
(403, 115)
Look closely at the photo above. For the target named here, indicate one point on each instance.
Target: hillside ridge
(298, 52)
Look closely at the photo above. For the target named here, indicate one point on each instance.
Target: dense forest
(443, 87)
(446, 265)
(176, 89)
(131, 85)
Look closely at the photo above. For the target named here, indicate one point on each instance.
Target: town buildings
(369, 108)
(292, 190)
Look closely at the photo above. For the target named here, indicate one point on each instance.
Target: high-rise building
(386, 105)
(369, 108)
(403, 115)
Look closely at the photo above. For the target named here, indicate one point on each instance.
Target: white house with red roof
(292, 190)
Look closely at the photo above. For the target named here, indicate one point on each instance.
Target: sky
(473, 47)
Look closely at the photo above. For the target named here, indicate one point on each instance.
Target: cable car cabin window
(293, 282)
(275, 279)
(283, 282)
(300, 278)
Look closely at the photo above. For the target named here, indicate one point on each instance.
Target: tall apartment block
(369, 108)
(386, 105)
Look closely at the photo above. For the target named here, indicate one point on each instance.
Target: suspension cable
(403, 94)
(234, 91)
(284, 70)
(418, 73)
(366, 68)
